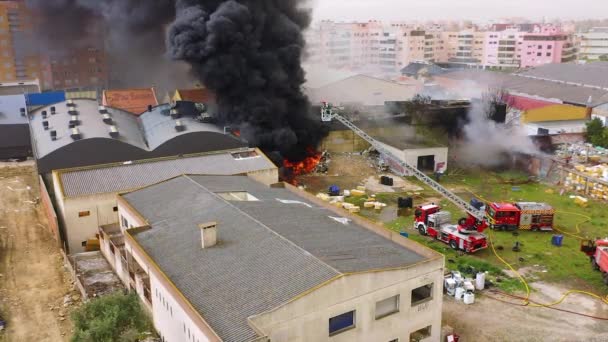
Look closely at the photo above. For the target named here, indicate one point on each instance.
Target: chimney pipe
(208, 234)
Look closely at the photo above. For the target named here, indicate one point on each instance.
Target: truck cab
(503, 216)
(422, 216)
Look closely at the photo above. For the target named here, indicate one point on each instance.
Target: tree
(603, 58)
(597, 133)
(115, 317)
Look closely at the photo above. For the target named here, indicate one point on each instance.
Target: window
(387, 307)
(241, 196)
(341, 323)
(84, 213)
(421, 334)
(115, 209)
(548, 54)
(395, 340)
(422, 294)
(549, 46)
(539, 54)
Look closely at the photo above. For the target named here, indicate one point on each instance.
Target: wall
(343, 141)
(410, 156)
(306, 318)
(267, 177)
(49, 212)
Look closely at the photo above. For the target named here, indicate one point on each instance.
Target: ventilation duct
(75, 133)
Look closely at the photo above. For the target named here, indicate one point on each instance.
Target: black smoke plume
(249, 52)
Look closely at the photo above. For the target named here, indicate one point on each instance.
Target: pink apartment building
(546, 45)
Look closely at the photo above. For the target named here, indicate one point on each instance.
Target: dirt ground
(33, 281)
(491, 320)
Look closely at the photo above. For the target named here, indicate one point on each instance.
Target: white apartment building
(232, 259)
(593, 44)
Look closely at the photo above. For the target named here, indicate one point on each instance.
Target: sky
(476, 10)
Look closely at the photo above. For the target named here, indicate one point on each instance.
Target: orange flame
(236, 132)
(307, 165)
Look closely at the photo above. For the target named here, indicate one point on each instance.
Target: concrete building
(86, 197)
(593, 45)
(235, 260)
(546, 45)
(80, 133)
(19, 87)
(14, 128)
(425, 157)
(342, 87)
(21, 57)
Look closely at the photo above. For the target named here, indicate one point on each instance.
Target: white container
(469, 298)
(459, 293)
(480, 281)
(346, 193)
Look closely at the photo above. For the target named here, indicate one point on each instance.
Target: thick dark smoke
(249, 52)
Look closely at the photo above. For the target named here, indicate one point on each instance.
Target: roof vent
(45, 124)
(174, 114)
(53, 135)
(179, 126)
(103, 110)
(114, 132)
(53, 110)
(74, 120)
(70, 103)
(165, 112)
(72, 112)
(75, 133)
(107, 119)
(44, 114)
(208, 234)
(149, 108)
(22, 111)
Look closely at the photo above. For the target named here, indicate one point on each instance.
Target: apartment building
(236, 260)
(386, 48)
(593, 45)
(22, 57)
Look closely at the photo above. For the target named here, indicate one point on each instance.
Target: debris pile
(335, 198)
(323, 165)
(580, 183)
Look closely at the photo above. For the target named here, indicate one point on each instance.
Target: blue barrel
(557, 240)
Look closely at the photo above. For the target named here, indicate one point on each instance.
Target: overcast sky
(476, 10)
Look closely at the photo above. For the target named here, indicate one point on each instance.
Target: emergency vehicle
(520, 215)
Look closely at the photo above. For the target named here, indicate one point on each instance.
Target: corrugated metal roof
(135, 101)
(533, 87)
(120, 178)
(269, 251)
(201, 95)
(589, 74)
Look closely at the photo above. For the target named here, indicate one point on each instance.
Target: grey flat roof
(269, 251)
(590, 74)
(125, 177)
(10, 113)
(535, 87)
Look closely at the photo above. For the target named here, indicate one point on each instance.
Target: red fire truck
(598, 254)
(466, 236)
(520, 215)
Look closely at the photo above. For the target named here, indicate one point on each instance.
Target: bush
(596, 133)
(115, 317)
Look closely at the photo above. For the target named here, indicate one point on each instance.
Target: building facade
(265, 234)
(593, 45)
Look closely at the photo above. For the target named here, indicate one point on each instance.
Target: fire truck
(430, 220)
(467, 235)
(597, 251)
(520, 215)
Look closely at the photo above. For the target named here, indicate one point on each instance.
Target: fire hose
(526, 300)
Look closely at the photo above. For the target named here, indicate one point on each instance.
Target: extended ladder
(327, 114)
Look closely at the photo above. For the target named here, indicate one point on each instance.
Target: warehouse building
(14, 128)
(86, 197)
(77, 133)
(235, 260)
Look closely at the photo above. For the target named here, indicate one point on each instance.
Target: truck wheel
(606, 278)
(454, 245)
(503, 228)
(462, 221)
(421, 230)
(594, 265)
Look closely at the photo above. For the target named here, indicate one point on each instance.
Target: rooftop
(517, 83)
(121, 177)
(199, 95)
(582, 74)
(135, 101)
(10, 110)
(147, 133)
(228, 283)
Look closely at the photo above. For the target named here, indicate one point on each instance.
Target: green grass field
(565, 265)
